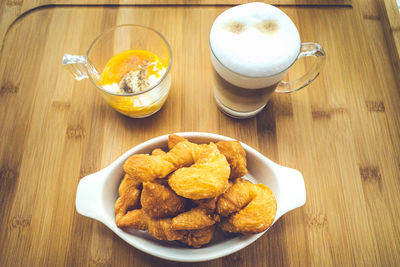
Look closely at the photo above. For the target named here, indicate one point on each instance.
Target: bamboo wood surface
(390, 15)
(342, 132)
(11, 10)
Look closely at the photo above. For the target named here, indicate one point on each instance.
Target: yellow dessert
(134, 71)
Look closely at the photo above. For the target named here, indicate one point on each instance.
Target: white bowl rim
(187, 256)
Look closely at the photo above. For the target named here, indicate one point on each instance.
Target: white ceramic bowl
(97, 193)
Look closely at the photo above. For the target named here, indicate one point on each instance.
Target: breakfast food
(157, 152)
(135, 219)
(206, 178)
(232, 150)
(234, 198)
(236, 157)
(159, 201)
(187, 193)
(146, 167)
(129, 192)
(158, 228)
(132, 71)
(253, 208)
(196, 218)
(127, 75)
(208, 203)
(197, 238)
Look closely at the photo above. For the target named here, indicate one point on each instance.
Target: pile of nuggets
(185, 193)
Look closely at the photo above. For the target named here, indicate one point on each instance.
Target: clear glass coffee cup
(112, 42)
(244, 96)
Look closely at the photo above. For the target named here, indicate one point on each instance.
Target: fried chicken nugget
(232, 150)
(257, 216)
(236, 157)
(198, 238)
(158, 228)
(129, 194)
(144, 167)
(196, 218)
(206, 178)
(159, 201)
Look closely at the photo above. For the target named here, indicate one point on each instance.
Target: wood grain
(387, 13)
(390, 16)
(341, 132)
(11, 10)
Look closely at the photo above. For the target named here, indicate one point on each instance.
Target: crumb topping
(136, 81)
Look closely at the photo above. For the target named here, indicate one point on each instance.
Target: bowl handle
(292, 190)
(88, 196)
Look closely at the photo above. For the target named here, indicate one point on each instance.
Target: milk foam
(255, 40)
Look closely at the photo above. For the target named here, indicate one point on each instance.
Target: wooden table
(342, 132)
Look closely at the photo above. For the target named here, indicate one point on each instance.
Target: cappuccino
(254, 40)
(252, 46)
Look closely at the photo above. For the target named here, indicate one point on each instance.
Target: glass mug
(113, 42)
(241, 96)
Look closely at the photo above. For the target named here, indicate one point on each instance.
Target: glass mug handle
(76, 65)
(306, 50)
